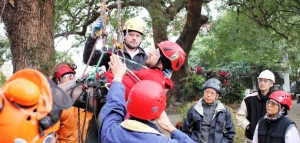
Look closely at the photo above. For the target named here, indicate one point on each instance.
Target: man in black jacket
(253, 106)
(133, 31)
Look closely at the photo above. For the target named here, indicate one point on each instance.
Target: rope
(131, 61)
(119, 38)
(104, 33)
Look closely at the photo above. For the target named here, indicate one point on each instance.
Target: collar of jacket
(199, 108)
(141, 51)
(137, 126)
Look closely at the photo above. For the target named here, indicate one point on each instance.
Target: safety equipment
(96, 27)
(215, 84)
(63, 68)
(146, 104)
(173, 52)
(134, 24)
(282, 97)
(267, 75)
(32, 106)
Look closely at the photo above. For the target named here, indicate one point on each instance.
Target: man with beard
(253, 106)
(133, 31)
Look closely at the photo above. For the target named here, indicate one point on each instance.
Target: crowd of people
(36, 108)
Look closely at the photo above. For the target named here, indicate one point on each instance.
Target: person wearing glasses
(209, 121)
(253, 106)
(30, 108)
(69, 131)
(275, 127)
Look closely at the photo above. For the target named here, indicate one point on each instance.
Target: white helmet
(267, 75)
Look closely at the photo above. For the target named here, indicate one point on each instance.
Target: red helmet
(146, 104)
(282, 97)
(173, 52)
(62, 68)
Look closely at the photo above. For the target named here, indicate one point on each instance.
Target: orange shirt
(68, 132)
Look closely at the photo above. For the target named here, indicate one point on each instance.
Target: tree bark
(186, 40)
(29, 27)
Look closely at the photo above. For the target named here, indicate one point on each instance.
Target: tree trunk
(29, 27)
(186, 40)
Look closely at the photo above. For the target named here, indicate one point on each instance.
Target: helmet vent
(155, 109)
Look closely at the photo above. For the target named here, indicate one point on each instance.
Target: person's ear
(217, 96)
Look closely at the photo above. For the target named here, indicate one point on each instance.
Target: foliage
(63, 56)
(234, 93)
(280, 20)
(5, 54)
(2, 78)
(232, 89)
(238, 43)
(191, 88)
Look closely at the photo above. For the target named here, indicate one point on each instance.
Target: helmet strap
(156, 65)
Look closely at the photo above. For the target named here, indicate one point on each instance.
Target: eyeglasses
(207, 92)
(68, 75)
(273, 103)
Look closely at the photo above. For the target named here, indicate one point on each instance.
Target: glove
(97, 25)
(168, 73)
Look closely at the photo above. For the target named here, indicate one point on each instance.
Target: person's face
(133, 39)
(272, 107)
(264, 84)
(67, 77)
(153, 58)
(210, 95)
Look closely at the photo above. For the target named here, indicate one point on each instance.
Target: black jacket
(140, 58)
(273, 131)
(256, 108)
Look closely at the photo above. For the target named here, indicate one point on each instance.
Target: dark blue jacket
(140, 58)
(113, 127)
(222, 129)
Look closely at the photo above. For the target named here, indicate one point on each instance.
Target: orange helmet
(282, 97)
(173, 52)
(30, 107)
(146, 104)
(63, 68)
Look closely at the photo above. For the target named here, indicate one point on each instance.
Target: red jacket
(144, 74)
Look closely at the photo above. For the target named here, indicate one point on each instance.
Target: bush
(233, 94)
(191, 88)
(2, 78)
